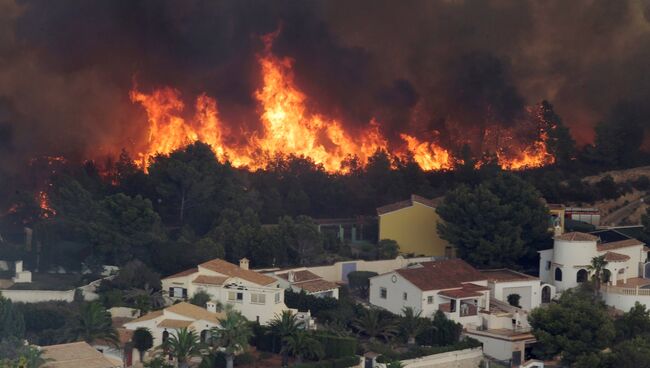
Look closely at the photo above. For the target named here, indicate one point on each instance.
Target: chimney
(19, 267)
(291, 277)
(243, 263)
(211, 306)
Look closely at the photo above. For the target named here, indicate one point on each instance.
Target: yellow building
(413, 224)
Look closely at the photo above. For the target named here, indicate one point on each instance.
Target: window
(581, 276)
(558, 274)
(548, 265)
(258, 298)
(430, 299)
(405, 296)
(277, 298)
(452, 306)
(383, 293)
(234, 296)
(165, 336)
(171, 292)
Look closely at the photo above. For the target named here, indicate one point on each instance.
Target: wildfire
(290, 128)
(44, 204)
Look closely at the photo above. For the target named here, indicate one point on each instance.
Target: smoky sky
(415, 66)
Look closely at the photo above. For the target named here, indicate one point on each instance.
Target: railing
(626, 291)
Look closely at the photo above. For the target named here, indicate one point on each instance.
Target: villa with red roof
(257, 296)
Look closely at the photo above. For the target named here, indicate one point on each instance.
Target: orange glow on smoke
(289, 128)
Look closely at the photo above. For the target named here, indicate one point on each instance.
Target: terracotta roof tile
(504, 275)
(314, 286)
(75, 355)
(576, 236)
(174, 323)
(148, 316)
(616, 257)
(406, 203)
(182, 273)
(459, 293)
(209, 280)
(619, 244)
(193, 311)
(229, 269)
(438, 275)
(300, 276)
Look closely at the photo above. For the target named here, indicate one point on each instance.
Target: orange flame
(289, 128)
(44, 204)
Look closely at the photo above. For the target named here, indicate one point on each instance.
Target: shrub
(513, 299)
(360, 281)
(388, 355)
(304, 302)
(200, 298)
(336, 346)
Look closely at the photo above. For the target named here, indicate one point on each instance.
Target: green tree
(303, 238)
(12, 323)
(359, 281)
(559, 141)
(302, 345)
(200, 298)
(411, 324)
(633, 323)
(183, 344)
(93, 323)
(577, 325)
(372, 324)
(633, 353)
(232, 335)
(32, 357)
(283, 326)
(495, 224)
(142, 341)
(387, 249)
(597, 269)
(441, 331)
(513, 299)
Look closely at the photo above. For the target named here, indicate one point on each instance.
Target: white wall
(36, 296)
(497, 348)
(394, 301)
(468, 358)
(529, 290)
(624, 302)
(544, 274)
(333, 272)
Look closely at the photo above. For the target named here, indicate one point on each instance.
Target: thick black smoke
(455, 66)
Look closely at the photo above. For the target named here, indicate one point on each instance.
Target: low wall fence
(626, 291)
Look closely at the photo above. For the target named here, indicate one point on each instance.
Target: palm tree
(372, 325)
(232, 335)
(94, 323)
(142, 340)
(183, 345)
(283, 326)
(301, 345)
(411, 324)
(597, 268)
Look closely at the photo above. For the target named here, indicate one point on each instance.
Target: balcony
(467, 309)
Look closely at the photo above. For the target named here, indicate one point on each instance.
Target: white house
(304, 280)
(504, 282)
(257, 296)
(566, 265)
(452, 286)
(163, 322)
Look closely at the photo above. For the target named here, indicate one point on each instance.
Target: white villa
(475, 299)
(566, 265)
(163, 322)
(257, 296)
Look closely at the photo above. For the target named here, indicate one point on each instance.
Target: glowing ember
(44, 204)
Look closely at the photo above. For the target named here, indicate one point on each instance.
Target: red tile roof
(182, 273)
(459, 293)
(438, 275)
(315, 286)
(577, 236)
(209, 280)
(619, 244)
(406, 203)
(229, 269)
(616, 257)
(300, 276)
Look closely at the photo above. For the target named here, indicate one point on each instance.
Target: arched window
(165, 335)
(582, 276)
(205, 336)
(558, 274)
